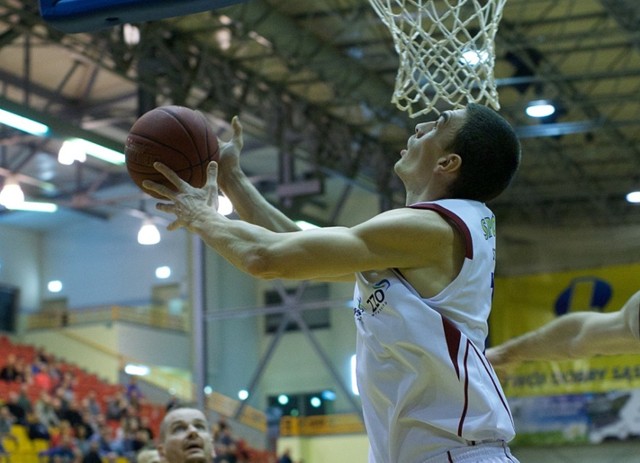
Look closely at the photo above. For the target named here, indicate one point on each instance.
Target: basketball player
(185, 437)
(423, 282)
(575, 335)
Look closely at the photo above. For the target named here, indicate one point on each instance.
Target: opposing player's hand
(188, 204)
(230, 150)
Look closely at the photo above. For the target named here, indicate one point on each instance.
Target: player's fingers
(174, 225)
(211, 186)
(158, 188)
(169, 174)
(237, 132)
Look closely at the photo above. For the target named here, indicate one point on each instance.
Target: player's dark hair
(490, 152)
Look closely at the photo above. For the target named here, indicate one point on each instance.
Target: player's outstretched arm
(576, 335)
(247, 201)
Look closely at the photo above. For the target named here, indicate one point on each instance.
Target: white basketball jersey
(426, 387)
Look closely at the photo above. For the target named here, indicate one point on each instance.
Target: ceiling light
(540, 108)
(54, 286)
(224, 205)
(136, 370)
(634, 197)
(11, 195)
(474, 57)
(148, 234)
(131, 34)
(71, 151)
(163, 272)
(35, 206)
(23, 123)
(99, 151)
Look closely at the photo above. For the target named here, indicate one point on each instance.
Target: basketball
(176, 136)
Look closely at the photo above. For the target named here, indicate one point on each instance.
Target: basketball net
(446, 51)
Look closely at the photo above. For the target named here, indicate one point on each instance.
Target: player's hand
(230, 150)
(190, 205)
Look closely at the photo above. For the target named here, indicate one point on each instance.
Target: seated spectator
(91, 404)
(14, 407)
(6, 421)
(224, 444)
(104, 442)
(92, 455)
(132, 392)
(35, 428)
(11, 371)
(66, 451)
(116, 407)
(41, 378)
(45, 410)
(23, 398)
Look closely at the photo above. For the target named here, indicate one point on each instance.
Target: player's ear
(450, 163)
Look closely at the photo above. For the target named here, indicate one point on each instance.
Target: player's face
(429, 143)
(186, 438)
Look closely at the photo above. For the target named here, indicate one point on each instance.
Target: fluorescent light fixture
(71, 151)
(136, 370)
(634, 197)
(23, 123)
(148, 234)
(35, 206)
(11, 195)
(540, 108)
(99, 151)
(54, 286)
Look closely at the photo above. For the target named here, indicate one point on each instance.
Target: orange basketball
(176, 136)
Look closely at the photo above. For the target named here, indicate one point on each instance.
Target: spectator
(6, 421)
(23, 399)
(185, 437)
(116, 407)
(104, 443)
(41, 378)
(11, 371)
(66, 450)
(15, 408)
(285, 457)
(172, 403)
(92, 455)
(224, 444)
(45, 410)
(91, 404)
(36, 429)
(132, 391)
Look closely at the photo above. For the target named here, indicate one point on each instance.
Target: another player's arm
(575, 335)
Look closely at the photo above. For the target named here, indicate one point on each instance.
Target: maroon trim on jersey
(466, 390)
(457, 221)
(452, 335)
(485, 363)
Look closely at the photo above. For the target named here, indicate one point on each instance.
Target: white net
(446, 51)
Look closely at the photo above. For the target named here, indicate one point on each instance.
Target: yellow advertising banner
(524, 303)
(598, 374)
